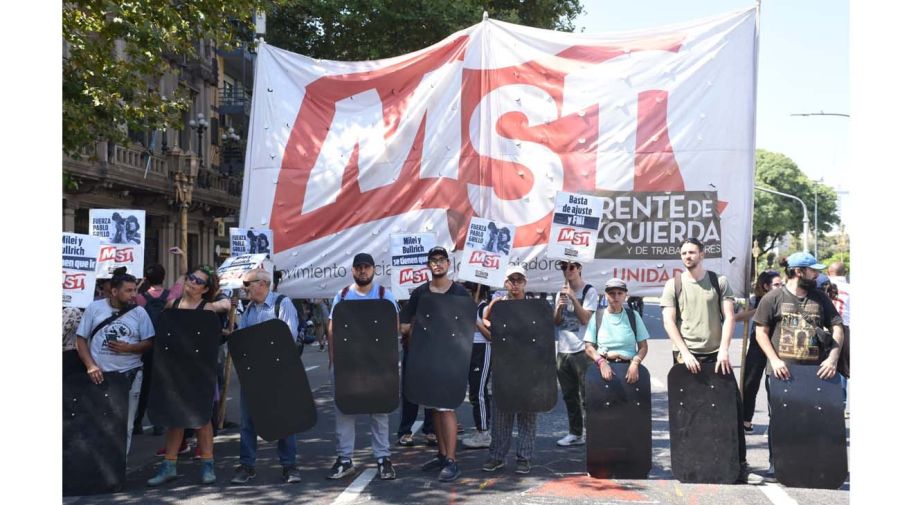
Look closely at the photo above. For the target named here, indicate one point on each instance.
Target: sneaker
(386, 469)
(478, 440)
(431, 440)
(492, 465)
(570, 439)
(748, 429)
(748, 477)
(208, 473)
(406, 440)
(450, 472)
(165, 474)
(243, 475)
(341, 469)
(523, 466)
(436, 463)
(290, 474)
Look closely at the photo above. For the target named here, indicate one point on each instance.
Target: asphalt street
(558, 474)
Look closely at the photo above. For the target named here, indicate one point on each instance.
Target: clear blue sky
(803, 67)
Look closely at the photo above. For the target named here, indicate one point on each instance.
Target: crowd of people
(593, 328)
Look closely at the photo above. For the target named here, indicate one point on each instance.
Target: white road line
(776, 494)
(416, 425)
(311, 367)
(355, 488)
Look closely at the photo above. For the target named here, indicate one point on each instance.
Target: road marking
(657, 383)
(355, 488)
(776, 494)
(311, 367)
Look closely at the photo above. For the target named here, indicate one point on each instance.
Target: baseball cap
(804, 259)
(438, 251)
(515, 269)
(363, 259)
(615, 283)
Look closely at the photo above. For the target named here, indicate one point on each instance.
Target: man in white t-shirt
(112, 336)
(575, 304)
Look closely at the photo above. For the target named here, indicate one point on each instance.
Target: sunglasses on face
(516, 280)
(248, 283)
(197, 280)
(561, 265)
(439, 261)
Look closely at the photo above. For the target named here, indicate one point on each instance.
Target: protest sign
(486, 255)
(79, 269)
(232, 271)
(409, 262)
(573, 234)
(251, 241)
(121, 237)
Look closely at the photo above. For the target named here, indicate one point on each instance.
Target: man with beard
(698, 315)
(786, 318)
(444, 419)
(345, 425)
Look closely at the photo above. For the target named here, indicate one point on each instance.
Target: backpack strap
(163, 296)
(278, 306)
(109, 320)
(380, 292)
(176, 303)
(344, 293)
(714, 280)
(632, 320)
(677, 280)
(584, 292)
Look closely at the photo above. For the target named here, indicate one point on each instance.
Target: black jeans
(410, 411)
(742, 440)
(754, 369)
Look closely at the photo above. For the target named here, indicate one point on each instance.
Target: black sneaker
(436, 463)
(290, 474)
(406, 440)
(243, 475)
(492, 465)
(523, 466)
(341, 469)
(386, 469)
(450, 472)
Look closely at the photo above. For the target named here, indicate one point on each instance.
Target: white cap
(515, 269)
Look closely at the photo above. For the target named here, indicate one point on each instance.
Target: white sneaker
(477, 440)
(570, 439)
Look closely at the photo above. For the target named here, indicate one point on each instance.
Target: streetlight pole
(816, 216)
(200, 125)
(805, 214)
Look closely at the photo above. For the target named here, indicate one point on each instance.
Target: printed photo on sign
(231, 272)
(121, 235)
(650, 225)
(79, 268)
(409, 262)
(573, 234)
(486, 254)
(251, 241)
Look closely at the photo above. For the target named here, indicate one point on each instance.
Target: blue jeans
(287, 447)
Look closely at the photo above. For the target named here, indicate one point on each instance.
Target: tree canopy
(775, 216)
(353, 30)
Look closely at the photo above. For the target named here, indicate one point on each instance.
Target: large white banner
(492, 122)
(79, 269)
(121, 233)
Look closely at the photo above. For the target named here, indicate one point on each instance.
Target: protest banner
(573, 235)
(409, 262)
(251, 241)
(232, 270)
(79, 268)
(492, 122)
(121, 238)
(486, 254)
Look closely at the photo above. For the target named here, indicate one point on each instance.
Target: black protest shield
(439, 351)
(703, 425)
(273, 380)
(523, 346)
(808, 431)
(366, 374)
(618, 424)
(95, 430)
(185, 350)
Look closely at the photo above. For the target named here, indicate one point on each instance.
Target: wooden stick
(223, 395)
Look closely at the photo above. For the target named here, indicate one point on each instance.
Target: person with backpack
(621, 336)
(363, 288)
(265, 305)
(575, 305)
(112, 336)
(698, 316)
(199, 293)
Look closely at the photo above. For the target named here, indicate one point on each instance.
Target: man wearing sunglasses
(263, 308)
(575, 305)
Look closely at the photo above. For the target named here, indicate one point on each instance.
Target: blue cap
(821, 280)
(804, 259)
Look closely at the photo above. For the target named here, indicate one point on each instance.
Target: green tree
(352, 30)
(774, 215)
(116, 52)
